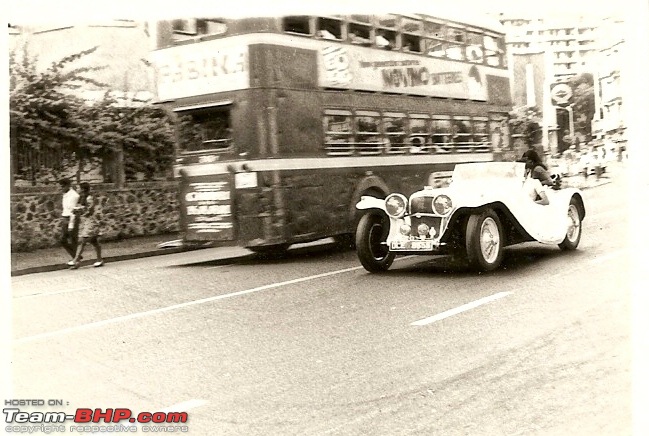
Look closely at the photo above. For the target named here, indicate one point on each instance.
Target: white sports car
(484, 209)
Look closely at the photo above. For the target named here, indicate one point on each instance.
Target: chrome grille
(434, 222)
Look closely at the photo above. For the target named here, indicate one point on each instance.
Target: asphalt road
(312, 344)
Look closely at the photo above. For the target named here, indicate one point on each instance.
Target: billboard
(349, 67)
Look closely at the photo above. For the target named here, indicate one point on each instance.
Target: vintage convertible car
(483, 209)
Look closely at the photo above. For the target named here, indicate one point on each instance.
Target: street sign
(561, 94)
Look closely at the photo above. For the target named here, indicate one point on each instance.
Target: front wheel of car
(484, 241)
(371, 235)
(573, 231)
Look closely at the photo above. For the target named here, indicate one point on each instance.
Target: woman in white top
(535, 190)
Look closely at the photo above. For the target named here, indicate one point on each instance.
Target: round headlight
(422, 229)
(442, 204)
(404, 229)
(395, 205)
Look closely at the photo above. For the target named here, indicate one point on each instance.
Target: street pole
(571, 121)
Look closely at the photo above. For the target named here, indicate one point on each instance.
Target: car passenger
(534, 189)
(532, 186)
(537, 168)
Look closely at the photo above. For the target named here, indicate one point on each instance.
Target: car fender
(368, 202)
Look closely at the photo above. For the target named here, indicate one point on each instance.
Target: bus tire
(371, 234)
(270, 251)
(345, 241)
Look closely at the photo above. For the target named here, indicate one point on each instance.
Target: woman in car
(532, 186)
(537, 168)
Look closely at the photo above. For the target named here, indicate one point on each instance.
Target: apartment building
(608, 124)
(568, 45)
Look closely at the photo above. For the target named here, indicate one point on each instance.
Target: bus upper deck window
(474, 50)
(359, 34)
(296, 24)
(410, 43)
(329, 28)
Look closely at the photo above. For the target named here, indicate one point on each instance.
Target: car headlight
(395, 205)
(442, 204)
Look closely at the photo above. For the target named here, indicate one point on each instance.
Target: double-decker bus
(284, 122)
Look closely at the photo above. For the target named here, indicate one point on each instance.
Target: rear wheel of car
(371, 235)
(573, 231)
(484, 241)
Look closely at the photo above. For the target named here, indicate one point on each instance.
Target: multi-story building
(551, 49)
(608, 124)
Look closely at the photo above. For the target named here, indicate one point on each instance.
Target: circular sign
(561, 94)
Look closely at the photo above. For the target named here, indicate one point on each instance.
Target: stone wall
(140, 209)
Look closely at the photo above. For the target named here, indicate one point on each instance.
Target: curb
(62, 266)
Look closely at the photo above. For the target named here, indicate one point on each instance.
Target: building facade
(546, 51)
(608, 124)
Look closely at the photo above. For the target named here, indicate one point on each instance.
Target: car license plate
(411, 245)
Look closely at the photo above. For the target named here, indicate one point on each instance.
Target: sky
(39, 10)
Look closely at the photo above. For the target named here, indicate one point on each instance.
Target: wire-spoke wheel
(484, 241)
(573, 228)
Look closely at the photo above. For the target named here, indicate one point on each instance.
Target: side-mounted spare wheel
(484, 241)
(371, 235)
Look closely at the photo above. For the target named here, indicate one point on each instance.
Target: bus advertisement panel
(351, 67)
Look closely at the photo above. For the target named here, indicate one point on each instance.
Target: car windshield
(488, 170)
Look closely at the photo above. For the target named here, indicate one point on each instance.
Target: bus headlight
(442, 204)
(423, 229)
(395, 205)
(404, 229)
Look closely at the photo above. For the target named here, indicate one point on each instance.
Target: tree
(44, 113)
(50, 123)
(525, 122)
(583, 104)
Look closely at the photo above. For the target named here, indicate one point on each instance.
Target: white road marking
(186, 304)
(46, 293)
(181, 305)
(460, 309)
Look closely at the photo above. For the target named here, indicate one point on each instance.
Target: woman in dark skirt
(89, 228)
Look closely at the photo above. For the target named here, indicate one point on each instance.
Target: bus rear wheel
(270, 251)
(371, 235)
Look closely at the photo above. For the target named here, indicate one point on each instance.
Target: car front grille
(434, 222)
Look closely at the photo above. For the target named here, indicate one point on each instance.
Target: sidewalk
(52, 259)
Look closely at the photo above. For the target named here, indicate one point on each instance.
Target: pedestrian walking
(90, 227)
(69, 221)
